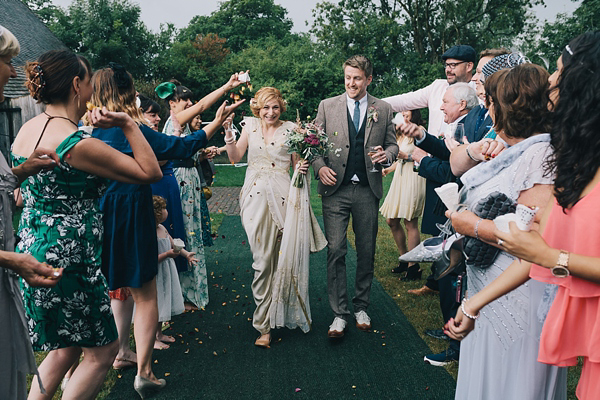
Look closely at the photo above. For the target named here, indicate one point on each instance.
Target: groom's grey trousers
(360, 202)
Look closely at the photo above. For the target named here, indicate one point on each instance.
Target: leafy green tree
(45, 10)
(554, 36)
(111, 30)
(241, 22)
(424, 27)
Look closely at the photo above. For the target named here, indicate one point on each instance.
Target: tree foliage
(554, 36)
(403, 38)
(424, 27)
(241, 22)
(110, 30)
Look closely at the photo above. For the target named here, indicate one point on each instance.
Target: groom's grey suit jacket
(333, 116)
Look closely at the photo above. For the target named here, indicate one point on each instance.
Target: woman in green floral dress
(61, 223)
(194, 282)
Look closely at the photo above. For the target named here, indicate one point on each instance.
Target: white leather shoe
(337, 328)
(363, 322)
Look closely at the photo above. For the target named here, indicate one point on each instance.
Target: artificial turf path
(215, 357)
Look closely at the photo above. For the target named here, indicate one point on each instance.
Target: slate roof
(35, 39)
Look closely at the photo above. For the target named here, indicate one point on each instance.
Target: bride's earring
(78, 100)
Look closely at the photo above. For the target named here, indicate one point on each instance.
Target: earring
(78, 100)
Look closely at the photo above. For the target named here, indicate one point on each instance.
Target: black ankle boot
(402, 266)
(413, 273)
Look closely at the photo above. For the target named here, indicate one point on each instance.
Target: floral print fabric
(61, 224)
(194, 281)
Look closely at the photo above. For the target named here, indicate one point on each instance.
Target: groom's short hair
(360, 62)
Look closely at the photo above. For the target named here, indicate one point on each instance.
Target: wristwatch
(561, 270)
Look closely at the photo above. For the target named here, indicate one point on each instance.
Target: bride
(280, 289)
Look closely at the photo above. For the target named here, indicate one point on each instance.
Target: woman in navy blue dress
(130, 254)
(167, 187)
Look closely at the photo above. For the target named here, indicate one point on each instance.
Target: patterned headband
(503, 62)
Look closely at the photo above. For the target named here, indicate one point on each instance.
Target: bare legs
(144, 328)
(123, 311)
(412, 231)
(86, 381)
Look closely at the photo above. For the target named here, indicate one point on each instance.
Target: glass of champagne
(371, 153)
(459, 133)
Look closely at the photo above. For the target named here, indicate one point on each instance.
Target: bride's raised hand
(228, 123)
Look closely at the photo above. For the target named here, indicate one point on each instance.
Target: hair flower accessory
(372, 115)
(165, 89)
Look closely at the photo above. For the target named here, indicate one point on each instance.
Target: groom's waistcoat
(356, 155)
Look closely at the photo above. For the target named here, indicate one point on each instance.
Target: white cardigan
(430, 97)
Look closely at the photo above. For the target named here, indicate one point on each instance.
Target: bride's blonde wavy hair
(107, 93)
(263, 96)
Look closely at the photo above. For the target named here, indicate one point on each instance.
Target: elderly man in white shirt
(459, 63)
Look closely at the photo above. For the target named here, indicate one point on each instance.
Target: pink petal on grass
(297, 390)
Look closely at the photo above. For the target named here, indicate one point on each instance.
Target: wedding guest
(484, 57)
(130, 257)
(459, 62)
(267, 178)
(406, 196)
(457, 101)
(194, 282)
(348, 188)
(465, 157)
(565, 251)
(16, 356)
(150, 110)
(168, 289)
(499, 361)
(205, 168)
(61, 223)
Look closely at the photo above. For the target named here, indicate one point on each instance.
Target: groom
(354, 122)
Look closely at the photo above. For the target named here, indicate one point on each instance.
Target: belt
(186, 163)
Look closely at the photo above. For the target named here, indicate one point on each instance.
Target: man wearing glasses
(459, 64)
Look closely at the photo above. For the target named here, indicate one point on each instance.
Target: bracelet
(466, 314)
(471, 156)
(477, 229)
(229, 140)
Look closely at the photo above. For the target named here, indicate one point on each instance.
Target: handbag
(207, 192)
(481, 254)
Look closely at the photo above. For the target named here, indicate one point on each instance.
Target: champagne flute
(371, 153)
(459, 133)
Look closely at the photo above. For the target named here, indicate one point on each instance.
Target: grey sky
(179, 12)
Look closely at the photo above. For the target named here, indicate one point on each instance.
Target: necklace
(61, 117)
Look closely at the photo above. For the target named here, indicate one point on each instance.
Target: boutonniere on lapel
(372, 115)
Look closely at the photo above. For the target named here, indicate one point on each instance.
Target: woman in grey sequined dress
(498, 360)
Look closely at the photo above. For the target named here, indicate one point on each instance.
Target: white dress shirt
(428, 97)
(362, 106)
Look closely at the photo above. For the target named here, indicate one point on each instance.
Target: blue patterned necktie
(356, 118)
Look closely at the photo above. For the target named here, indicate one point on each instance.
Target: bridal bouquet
(309, 141)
